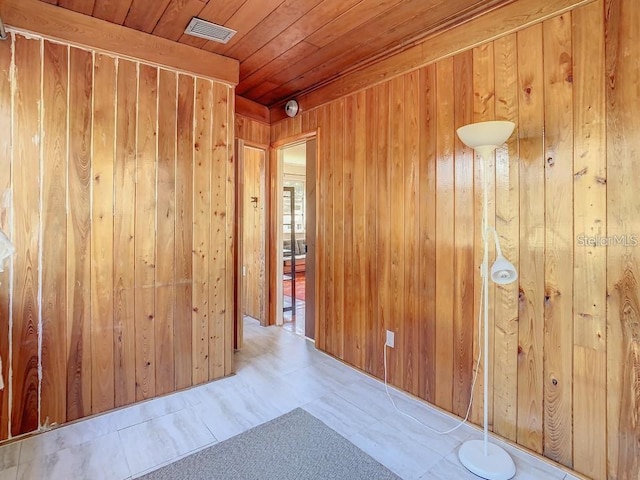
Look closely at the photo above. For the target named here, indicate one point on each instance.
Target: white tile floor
(277, 372)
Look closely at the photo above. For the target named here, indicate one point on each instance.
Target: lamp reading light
(485, 459)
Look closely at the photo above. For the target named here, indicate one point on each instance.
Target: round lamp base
(496, 465)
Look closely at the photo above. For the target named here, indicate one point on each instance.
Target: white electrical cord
(473, 384)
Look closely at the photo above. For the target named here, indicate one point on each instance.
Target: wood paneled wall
(399, 209)
(117, 184)
(252, 131)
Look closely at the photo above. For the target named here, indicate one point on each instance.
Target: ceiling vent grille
(211, 31)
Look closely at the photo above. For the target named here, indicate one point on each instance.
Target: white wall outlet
(244, 270)
(391, 339)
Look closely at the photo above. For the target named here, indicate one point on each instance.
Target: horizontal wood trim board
(81, 30)
(251, 109)
(494, 24)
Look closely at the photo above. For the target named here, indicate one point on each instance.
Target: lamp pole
(479, 456)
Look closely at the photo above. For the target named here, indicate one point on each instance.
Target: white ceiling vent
(211, 31)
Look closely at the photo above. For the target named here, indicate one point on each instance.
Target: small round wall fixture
(291, 108)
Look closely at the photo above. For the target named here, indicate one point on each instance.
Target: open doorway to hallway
(294, 249)
(296, 233)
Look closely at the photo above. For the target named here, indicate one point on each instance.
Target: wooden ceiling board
(393, 38)
(335, 50)
(284, 61)
(114, 11)
(144, 14)
(353, 18)
(262, 88)
(280, 19)
(333, 60)
(176, 17)
(243, 21)
(296, 33)
(80, 6)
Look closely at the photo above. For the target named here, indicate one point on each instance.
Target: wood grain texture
(464, 222)
(184, 232)
(445, 228)
(201, 229)
(104, 115)
(217, 258)
(227, 155)
(390, 33)
(284, 17)
(427, 221)
(26, 172)
(143, 15)
(298, 32)
(382, 224)
(114, 11)
(590, 262)
(124, 234)
(252, 131)
(351, 322)
(623, 351)
(507, 224)
(79, 235)
(253, 110)
(176, 17)
(321, 285)
(165, 232)
(6, 150)
(531, 326)
(559, 238)
(245, 18)
(54, 219)
(81, 6)
(411, 231)
(395, 308)
(339, 257)
(145, 227)
(330, 330)
(510, 18)
(359, 245)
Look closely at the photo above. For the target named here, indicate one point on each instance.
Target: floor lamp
(485, 459)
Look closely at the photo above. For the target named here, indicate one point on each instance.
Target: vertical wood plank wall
(252, 131)
(563, 190)
(115, 179)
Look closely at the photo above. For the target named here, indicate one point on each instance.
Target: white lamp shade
(481, 134)
(503, 271)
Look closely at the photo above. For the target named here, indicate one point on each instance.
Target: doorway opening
(294, 248)
(295, 232)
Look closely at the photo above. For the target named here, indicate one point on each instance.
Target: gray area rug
(295, 446)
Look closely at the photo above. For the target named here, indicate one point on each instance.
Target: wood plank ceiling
(289, 47)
